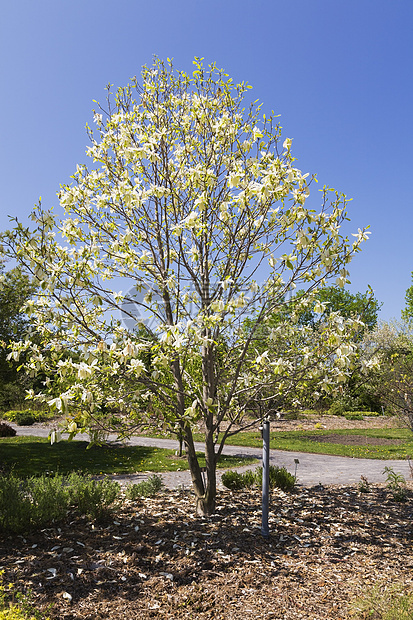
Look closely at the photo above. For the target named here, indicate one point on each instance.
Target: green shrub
(348, 404)
(282, 478)
(31, 503)
(337, 408)
(93, 498)
(234, 480)
(15, 505)
(27, 504)
(290, 415)
(147, 488)
(25, 417)
(353, 416)
(49, 498)
(6, 430)
(279, 477)
(249, 478)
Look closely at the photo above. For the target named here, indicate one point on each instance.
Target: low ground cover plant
(14, 612)
(364, 485)
(384, 603)
(396, 483)
(157, 547)
(15, 605)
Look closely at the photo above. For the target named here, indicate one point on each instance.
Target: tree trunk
(205, 494)
(205, 505)
(194, 467)
(196, 474)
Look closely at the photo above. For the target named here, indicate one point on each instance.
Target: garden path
(313, 469)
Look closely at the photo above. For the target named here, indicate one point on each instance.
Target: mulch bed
(155, 559)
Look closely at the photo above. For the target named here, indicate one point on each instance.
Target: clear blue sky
(338, 72)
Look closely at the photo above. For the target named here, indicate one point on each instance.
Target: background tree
(358, 394)
(330, 299)
(190, 199)
(355, 394)
(15, 290)
(365, 306)
(407, 313)
(388, 356)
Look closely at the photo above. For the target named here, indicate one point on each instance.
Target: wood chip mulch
(155, 559)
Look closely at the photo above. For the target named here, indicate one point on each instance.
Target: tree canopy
(388, 354)
(15, 290)
(193, 213)
(407, 313)
(336, 299)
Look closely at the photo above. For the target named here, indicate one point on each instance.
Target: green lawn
(306, 441)
(30, 456)
(299, 441)
(34, 455)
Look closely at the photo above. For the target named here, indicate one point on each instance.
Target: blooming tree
(193, 205)
(387, 357)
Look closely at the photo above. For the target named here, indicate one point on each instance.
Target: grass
(384, 603)
(32, 456)
(299, 441)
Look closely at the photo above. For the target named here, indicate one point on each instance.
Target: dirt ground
(155, 559)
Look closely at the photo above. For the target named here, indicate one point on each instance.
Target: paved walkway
(312, 468)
